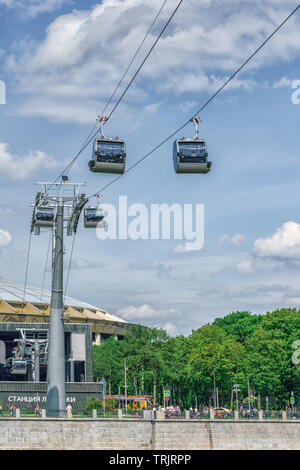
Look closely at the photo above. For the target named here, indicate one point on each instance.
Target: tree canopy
(256, 351)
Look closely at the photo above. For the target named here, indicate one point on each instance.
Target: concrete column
(160, 415)
(284, 415)
(211, 414)
(18, 412)
(97, 339)
(94, 414)
(260, 415)
(187, 414)
(147, 414)
(72, 375)
(236, 415)
(43, 411)
(120, 416)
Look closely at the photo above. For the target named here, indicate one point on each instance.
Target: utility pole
(236, 390)
(125, 386)
(215, 403)
(249, 401)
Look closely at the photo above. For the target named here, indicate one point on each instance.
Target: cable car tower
(51, 209)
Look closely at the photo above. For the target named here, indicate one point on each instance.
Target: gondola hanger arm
(102, 120)
(196, 121)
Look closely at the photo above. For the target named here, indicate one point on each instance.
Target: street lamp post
(125, 386)
(236, 390)
(249, 400)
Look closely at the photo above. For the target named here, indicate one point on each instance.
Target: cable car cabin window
(93, 215)
(105, 151)
(192, 149)
(18, 367)
(44, 214)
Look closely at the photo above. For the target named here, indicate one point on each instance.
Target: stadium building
(24, 325)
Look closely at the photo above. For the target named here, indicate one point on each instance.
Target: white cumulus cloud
(136, 313)
(170, 329)
(19, 168)
(235, 240)
(246, 266)
(284, 244)
(283, 82)
(34, 7)
(5, 238)
(83, 54)
(141, 312)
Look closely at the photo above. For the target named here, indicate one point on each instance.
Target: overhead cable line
(127, 68)
(133, 58)
(26, 270)
(145, 59)
(202, 107)
(90, 139)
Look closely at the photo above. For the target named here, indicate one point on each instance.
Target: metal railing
(132, 414)
(175, 415)
(199, 415)
(243, 415)
(272, 414)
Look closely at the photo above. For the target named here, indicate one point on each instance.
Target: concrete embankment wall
(113, 434)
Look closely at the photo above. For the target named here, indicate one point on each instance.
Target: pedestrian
(69, 410)
(12, 410)
(1, 410)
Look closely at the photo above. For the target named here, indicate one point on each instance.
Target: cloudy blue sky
(60, 61)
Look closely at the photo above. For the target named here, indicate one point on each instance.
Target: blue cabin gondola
(108, 156)
(16, 365)
(93, 216)
(190, 156)
(44, 216)
(19, 366)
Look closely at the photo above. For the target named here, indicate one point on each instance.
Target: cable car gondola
(44, 216)
(108, 155)
(93, 217)
(17, 366)
(190, 155)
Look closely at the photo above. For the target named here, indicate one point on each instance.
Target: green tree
(144, 350)
(215, 354)
(107, 360)
(270, 352)
(239, 324)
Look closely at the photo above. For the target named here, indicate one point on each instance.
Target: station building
(24, 325)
